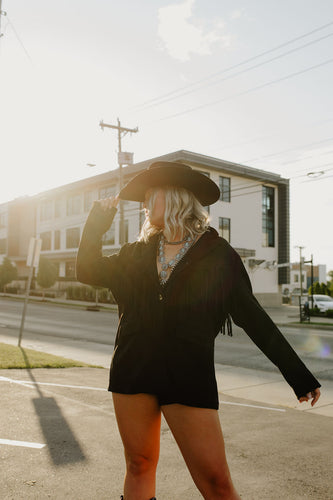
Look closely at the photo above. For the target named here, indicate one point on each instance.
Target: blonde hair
(184, 214)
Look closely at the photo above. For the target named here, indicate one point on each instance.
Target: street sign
(125, 158)
(35, 245)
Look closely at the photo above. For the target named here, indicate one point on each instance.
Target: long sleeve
(91, 267)
(247, 313)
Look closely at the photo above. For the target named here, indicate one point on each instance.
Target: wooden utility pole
(121, 162)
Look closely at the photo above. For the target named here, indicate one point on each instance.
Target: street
(95, 332)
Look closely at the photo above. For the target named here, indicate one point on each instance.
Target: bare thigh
(199, 436)
(139, 422)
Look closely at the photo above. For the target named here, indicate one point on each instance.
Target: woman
(175, 288)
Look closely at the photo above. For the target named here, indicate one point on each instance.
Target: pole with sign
(34, 249)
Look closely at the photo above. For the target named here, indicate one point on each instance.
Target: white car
(323, 302)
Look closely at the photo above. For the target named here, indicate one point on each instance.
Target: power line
(19, 40)
(289, 150)
(163, 96)
(248, 91)
(167, 99)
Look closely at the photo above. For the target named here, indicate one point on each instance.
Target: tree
(8, 273)
(47, 274)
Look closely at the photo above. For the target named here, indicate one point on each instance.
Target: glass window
(224, 228)
(106, 192)
(56, 240)
(46, 210)
(74, 205)
(109, 236)
(2, 219)
(72, 237)
(125, 231)
(295, 278)
(3, 246)
(224, 185)
(268, 216)
(87, 200)
(46, 240)
(70, 269)
(57, 208)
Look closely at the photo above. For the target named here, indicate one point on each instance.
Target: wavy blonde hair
(184, 214)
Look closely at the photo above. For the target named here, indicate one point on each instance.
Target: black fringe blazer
(165, 338)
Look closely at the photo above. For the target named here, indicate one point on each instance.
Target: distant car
(323, 302)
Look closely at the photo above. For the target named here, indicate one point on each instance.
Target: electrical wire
(19, 40)
(163, 96)
(162, 101)
(248, 91)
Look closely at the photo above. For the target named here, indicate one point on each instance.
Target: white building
(252, 214)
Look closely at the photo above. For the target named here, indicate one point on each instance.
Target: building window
(3, 246)
(224, 228)
(2, 219)
(87, 200)
(70, 269)
(57, 240)
(125, 231)
(109, 236)
(72, 237)
(106, 192)
(46, 240)
(46, 210)
(57, 208)
(224, 185)
(295, 278)
(74, 205)
(268, 216)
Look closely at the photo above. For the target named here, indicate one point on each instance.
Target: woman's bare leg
(139, 423)
(199, 436)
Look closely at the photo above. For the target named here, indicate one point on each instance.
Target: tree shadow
(61, 442)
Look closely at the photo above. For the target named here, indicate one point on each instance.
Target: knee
(139, 465)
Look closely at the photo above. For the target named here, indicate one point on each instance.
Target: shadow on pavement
(62, 445)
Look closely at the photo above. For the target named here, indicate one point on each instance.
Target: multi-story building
(252, 214)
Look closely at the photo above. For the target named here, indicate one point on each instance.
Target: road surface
(95, 331)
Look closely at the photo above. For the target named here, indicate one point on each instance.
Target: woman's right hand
(108, 203)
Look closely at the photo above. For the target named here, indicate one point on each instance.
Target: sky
(245, 81)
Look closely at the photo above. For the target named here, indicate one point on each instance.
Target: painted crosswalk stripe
(25, 444)
(252, 406)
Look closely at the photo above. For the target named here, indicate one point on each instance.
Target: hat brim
(171, 174)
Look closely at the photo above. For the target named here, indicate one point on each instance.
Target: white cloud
(182, 37)
(236, 14)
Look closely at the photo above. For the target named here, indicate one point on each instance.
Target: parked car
(323, 302)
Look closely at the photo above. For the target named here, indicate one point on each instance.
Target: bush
(88, 294)
(329, 313)
(11, 289)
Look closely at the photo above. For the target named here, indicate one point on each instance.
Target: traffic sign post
(34, 249)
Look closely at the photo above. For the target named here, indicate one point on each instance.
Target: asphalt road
(98, 329)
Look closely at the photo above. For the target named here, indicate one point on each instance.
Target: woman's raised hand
(108, 203)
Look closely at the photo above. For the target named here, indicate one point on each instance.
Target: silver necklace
(174, 242)
(188, 242)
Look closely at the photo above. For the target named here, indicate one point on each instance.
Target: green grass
(18, 357)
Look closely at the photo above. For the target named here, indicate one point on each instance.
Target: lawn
(18, 357)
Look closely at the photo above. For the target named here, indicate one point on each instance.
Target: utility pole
(300, 268)
(122, 160)
(2, 13)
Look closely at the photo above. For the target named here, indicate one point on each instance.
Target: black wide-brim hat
(167, 173)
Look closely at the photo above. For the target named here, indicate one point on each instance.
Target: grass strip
(18, 357)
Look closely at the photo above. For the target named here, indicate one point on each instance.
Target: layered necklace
(187, 243)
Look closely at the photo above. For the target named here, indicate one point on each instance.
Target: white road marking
(30, 382)
(252, 406)
(25, 444)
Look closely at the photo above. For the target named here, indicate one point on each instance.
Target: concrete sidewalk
(276, 447)
(59, 439)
